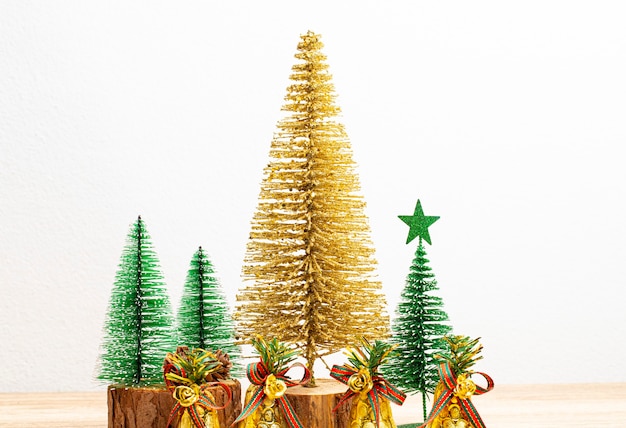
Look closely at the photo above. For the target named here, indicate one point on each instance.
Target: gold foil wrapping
(267, 415)
(451, 416)
(188, 396)
(362, 414)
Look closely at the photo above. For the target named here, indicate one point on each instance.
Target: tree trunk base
(150, 407)
(314, 406)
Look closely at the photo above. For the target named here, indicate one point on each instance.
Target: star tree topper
(418, 223)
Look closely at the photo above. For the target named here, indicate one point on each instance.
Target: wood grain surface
(507, 406)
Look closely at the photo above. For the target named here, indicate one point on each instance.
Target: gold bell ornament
(265, 403)
(371, 394)
(453, 407)
(186, 375)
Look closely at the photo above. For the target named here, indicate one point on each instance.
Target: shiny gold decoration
(267, 415)
(452, 404)
(186, 395)
(309, 267)
(370, 392)
(209, 417)
(270, 418)
(361, 382)
(465, 387)
(451, 417)
(362, 414)
(187, 374)
(274, 388)
(266, 405)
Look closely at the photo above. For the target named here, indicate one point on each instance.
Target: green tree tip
(198, 365)
(274, 354)
(463, 352)
(369, 355)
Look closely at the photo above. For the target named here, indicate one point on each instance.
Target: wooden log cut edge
(314, 406)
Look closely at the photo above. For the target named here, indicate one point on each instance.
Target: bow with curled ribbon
(360, 381)
(461, 387)
(273, 386)
(182, 373)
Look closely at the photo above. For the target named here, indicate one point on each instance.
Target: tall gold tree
(309, 269)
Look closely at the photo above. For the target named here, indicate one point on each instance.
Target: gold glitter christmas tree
(309, 268)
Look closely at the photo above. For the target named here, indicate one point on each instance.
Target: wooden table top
(507, 406)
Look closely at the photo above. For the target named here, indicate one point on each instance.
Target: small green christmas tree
(420, 325)
(204, 320)
(138, 330)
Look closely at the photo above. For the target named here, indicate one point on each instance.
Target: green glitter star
(418, 223)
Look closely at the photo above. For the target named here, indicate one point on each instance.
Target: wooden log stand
(151, 407)
(314, 406)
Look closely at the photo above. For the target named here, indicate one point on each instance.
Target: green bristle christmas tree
(420, 324)
(138, 330)
(204, 320)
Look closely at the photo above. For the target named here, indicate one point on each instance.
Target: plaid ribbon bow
(258, 374)
(380, 388)
(191, 396)
(462, 388)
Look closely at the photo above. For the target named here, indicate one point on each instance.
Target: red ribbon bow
(204, 400)
(450, 381)
(257, 374)
(381, 388)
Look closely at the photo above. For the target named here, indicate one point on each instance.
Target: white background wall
(504, 118)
